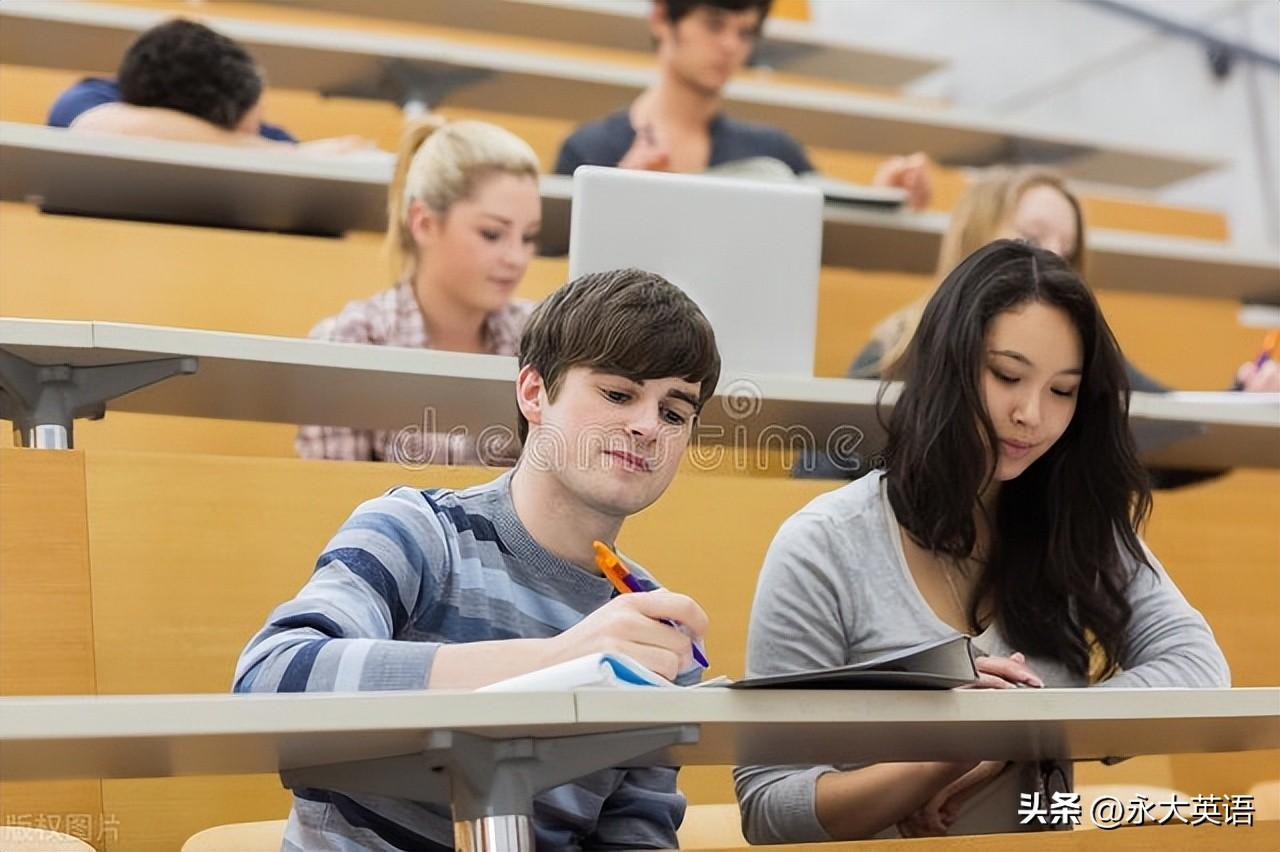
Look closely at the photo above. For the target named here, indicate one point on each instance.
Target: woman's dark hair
(185, 66)
(1055, 576)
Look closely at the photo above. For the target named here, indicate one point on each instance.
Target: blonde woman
(1029, 204)
(463, 218)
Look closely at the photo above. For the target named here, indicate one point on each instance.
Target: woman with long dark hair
(1009, 510)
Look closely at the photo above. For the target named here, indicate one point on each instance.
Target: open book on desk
(944, 664)
(592, 670)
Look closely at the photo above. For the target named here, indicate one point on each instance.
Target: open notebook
(943, 664)
(591, 670)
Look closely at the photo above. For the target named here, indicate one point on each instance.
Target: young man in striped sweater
(444, 589)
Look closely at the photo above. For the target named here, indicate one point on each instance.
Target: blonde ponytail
(440, 163)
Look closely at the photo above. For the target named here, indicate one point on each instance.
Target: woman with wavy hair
(1008, 510)
(1034, 205)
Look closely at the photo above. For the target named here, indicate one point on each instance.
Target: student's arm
(339, 633)
(161, 123)
(1168, 643)
(797, 623)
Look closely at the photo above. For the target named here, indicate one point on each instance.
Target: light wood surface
(159, 523)
(158, 180)
(46, 630)
(324, 59)
(282, 380)
(136, 736)
(127, 736)
(27, 92)
(792, 46)
(221, 288)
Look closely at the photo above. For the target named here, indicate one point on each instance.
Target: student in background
(1009, 510)
(614, 367)
(677, 124)
(180, 80)
(1030, 204)
(463, 217)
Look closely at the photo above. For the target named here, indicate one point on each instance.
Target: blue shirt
(96, 91)
(605, 142)
(409, 572)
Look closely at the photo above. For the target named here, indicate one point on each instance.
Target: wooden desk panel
(46, 630)
(27, 92)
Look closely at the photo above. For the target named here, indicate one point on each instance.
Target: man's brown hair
(627, 322)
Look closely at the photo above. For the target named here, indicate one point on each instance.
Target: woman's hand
(938, 814)
(1004, 673)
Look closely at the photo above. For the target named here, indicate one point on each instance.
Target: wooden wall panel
(26, 94)
(199, 549)
(46, 629)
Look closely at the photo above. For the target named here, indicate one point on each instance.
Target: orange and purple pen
(611, 566)
(1268, 347)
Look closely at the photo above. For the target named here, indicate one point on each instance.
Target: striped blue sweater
(407, 572)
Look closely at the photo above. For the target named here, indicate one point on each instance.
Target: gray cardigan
(835, 589)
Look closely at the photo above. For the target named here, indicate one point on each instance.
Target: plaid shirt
(393, 318)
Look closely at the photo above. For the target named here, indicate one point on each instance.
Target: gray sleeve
(796, 624)
(340, 632)
(1168, 643)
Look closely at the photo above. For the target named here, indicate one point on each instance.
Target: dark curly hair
(677, 9)
(185, 66)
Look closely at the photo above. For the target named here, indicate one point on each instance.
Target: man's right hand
(632, 625)
(646, 152)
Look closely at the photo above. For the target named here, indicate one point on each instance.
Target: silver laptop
(747, 252)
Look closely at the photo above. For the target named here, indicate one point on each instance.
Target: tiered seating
(789, 45)
(459, 73)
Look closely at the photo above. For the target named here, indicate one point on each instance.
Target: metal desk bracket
(490, 783)
(43, 400)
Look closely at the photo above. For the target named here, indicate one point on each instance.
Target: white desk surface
(782, 726)
(793, 46)
(288, 380)
(161, 735)
(92, 37)
(158, 735)
(152, 179)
